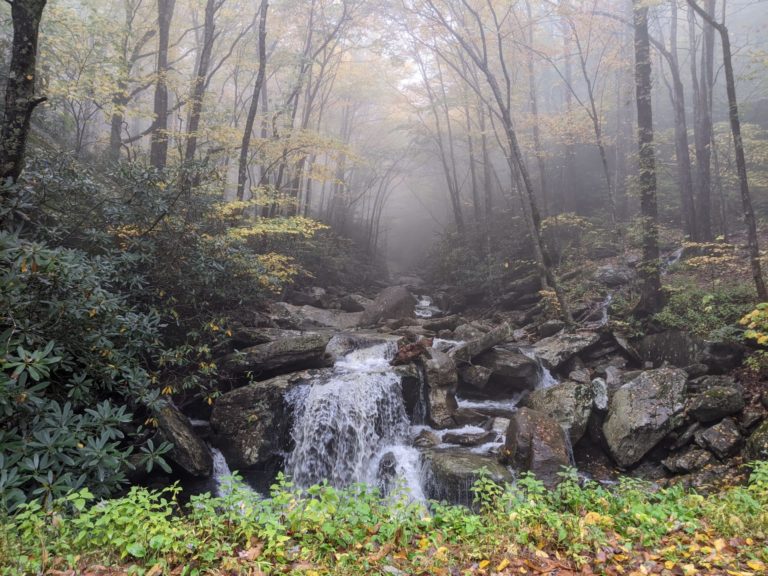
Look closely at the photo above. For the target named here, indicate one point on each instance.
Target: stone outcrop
(392, 302)
(295, 352)
(569, 403)
(643, 412)
(536, 443)
(189, 452)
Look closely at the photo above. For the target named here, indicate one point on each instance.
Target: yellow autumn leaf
(423, 544)
(756, 564)
(669, 564)
(484, 564)
(688, 569)
(719, 544)
(503, 564)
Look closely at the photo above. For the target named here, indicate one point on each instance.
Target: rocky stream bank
(395, 391)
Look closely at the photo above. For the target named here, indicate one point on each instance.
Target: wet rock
(557, 350)
(471, 348)
(689, 460)
(686, 436)
(474, 376)
(704, 383)
(681, 349)
(342, 343)
(451, 474)
(308, 317)
(392, 302)
(247, 336)
(550, 328)
(643, 412)
(280, 356)
(751, 418)
(613, 275)
(716, 403)
(581, 375)
(757, 445)
(470, 331)
(441, 381)
(252, 423)
(722, 439)
(444, 323)
(314, 296)
(469, 417)
(189, 452)
(537, 443)
(569, 403)
(354, 303)
(508, 374)
(472, 439)
(426, 439)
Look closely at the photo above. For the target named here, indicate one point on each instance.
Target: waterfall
(222, 475)
(348, 423)
(420, 410)
(425, 308)
(545, 379)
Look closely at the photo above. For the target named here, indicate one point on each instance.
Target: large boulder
(451, 474)
(723, 439)
(682, 349)
(537, 443)
(310, 317)
(569, 403)
(392, 302)
(557, 350)
(757, 445)
(252, 424)
(499, 373)
(280, 356)
(614, 275)
(354, 303)
(189, 452)
(441, 381)
(716, 403)
(689, 460)
(643, 412)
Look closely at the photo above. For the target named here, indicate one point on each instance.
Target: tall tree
(738, 145)
(475, 42)
(20, 98)
(242, 167)
(158, 154)
(650, 274)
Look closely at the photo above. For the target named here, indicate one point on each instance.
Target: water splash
(399, 467)
(425, 308)
(342, 422)
(545, 379)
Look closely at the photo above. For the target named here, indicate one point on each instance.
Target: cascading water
(222, 475)
(345, 424)
(545, 376)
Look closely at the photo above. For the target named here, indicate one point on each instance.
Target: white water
(346, 423)
(486, 406)
(424, 308)
(222, 475)
(545, 376)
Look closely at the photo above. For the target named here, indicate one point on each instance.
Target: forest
(383, 287)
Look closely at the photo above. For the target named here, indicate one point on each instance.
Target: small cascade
(222, 475)
(421, 410)
(343, 421)
(545, 376)
(399, 466)
(425, 308)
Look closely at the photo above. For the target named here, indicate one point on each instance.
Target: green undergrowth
(325, 530)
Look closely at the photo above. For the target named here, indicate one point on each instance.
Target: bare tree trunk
(702, 135)
(537, 147)
(650, 276)
(158, 154)
(738, 145)
(682, 153)
(198, 89)
(20, 99)
(242, 167)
